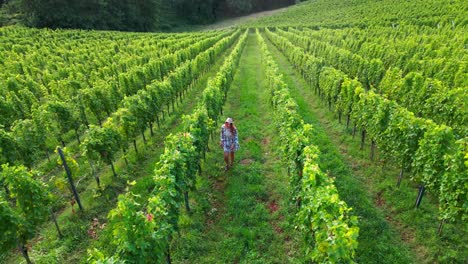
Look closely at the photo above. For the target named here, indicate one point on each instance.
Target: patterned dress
(229, 139)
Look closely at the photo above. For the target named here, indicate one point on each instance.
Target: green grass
(391, 230)
(241, 216)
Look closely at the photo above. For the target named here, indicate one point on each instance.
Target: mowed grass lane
(242, 216)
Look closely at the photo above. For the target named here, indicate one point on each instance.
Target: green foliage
(134, 232)
(9, 151)
(30, 206)
(428, 163)
(415, 143)
(101, 142)
(199, 126)
(453, 189)
(60, 118)
(10, 227)
(207, 11)
(70, 160)
(420, 94)
(197, 11)
(97, 257)
(31, 196)
(354, 13)
(30, 139)
(325, 216)
(240, 6)
(330, 233)
(125, 123)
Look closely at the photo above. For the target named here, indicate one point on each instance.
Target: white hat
(229, 120)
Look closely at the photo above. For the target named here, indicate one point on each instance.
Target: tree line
(130, 15)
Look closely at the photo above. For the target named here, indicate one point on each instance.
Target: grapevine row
(25, 204)
(425, 97)
(28, 136)
(78, 85)
(432, 152)
(342, 14)
(430, 53)
(330, 233)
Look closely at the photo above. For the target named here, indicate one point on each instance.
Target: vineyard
(353, 133)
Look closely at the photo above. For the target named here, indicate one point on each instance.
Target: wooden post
(143, 135)
(439, 231)
(24, 252)
(400, 177)
(168, 252)
(363, 138)
(420, 195)
(151, 129)
(125, 155)
(135, 146)
(112, 167)
(54, 218)
(70, 179)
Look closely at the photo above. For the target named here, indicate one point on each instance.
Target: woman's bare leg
(232, 158)
(226, 158)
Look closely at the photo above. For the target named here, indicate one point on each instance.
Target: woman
(229, 142)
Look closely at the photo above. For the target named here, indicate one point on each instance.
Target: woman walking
(229, 141)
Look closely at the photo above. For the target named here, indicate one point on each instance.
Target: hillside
(364, 13)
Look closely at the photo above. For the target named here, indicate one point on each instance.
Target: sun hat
(229, 120)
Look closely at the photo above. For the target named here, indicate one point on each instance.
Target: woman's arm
(221, 137)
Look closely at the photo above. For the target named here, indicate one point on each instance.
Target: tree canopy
(132, 15)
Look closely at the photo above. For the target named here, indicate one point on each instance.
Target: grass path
(379, 242)
(242, 214)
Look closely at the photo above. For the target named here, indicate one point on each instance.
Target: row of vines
(330, 231)
(425, 97)
(434, 153)
(39, 121)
